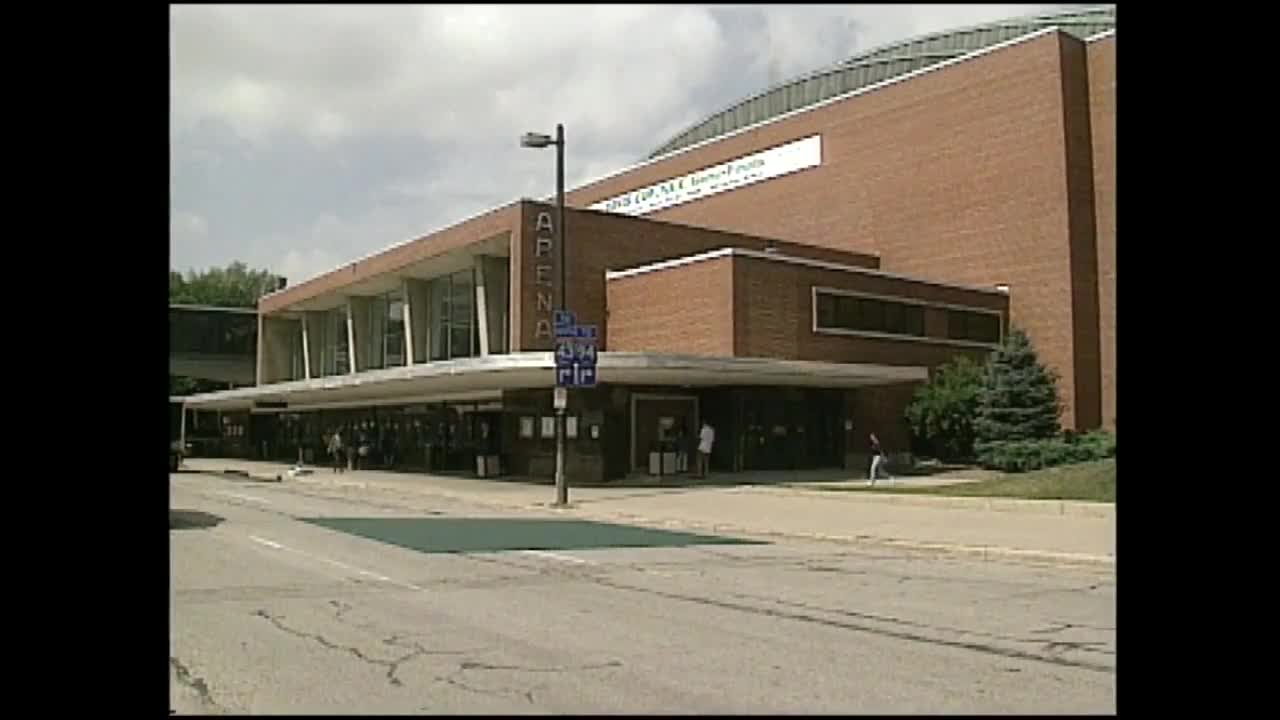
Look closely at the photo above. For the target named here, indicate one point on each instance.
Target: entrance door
(658, 422)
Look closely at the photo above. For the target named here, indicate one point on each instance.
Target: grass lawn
(1093, 481)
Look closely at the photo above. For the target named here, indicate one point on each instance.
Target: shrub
(1024, 455)
(941, 412)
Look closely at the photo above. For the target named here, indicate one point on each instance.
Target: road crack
(1083, 646)
(393, 666)
(1060, 626)
(899, 634)
(194, 682)
(499, 693)
(471, 665)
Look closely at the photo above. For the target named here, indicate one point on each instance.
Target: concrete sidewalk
(1032, 530)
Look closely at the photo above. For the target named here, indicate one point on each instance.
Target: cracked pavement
(274, 615)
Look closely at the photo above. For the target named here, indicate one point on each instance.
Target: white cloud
(436, 71)
(186, 229)
(304, 137)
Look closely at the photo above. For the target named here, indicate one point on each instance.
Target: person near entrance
(682, 448)
(706, 439)
(877, 460)
(335, 450)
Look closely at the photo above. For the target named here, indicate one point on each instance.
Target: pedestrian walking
(878, 460)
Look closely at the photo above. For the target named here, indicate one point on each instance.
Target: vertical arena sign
(543, 240)
(766, 165)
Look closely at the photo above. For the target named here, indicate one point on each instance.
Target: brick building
(788, 269)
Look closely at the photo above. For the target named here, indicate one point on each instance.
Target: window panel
(860, 314)
(826, 310)
(973, 326)
(341, 351)
(393, 347)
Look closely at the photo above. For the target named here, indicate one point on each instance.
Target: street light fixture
(541, 140)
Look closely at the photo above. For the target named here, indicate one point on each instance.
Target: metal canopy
(483, 376)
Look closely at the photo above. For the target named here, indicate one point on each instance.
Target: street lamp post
(540, 140)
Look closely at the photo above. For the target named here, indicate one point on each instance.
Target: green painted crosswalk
(463, 535)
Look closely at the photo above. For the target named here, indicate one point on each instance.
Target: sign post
(575, 368)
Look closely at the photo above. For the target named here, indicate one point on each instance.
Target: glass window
(914, 321)
(439, 304)
(453, 320)
(973, 326)
(341, 351)
(296, 370)
(374, 345)
(847, 312)
(895, 318)
(393, 347)
(826, 310)
(462, 306)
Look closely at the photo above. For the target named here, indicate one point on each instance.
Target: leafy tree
(1019, 399)
(942, 411)
(233, 286)
(183, 385)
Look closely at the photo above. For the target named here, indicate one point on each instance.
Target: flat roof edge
(394, 246)
(790, 259)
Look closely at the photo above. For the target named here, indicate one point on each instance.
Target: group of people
(707, 440)
(344, 454)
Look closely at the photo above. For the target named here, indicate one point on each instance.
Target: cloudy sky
(307, 136)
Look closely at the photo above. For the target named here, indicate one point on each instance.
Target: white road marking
(250, 498)
(335, 563)
(557, 556)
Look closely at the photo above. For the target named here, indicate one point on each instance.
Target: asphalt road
(273, 614)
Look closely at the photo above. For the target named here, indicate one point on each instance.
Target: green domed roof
(878, 65)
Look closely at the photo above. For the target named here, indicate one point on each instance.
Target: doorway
(662, 423)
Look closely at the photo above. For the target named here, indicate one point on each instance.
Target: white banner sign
(766, 165)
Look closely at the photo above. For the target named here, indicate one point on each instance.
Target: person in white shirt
(706, 438)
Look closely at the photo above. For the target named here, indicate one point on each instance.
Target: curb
(1074, 508)
(983, 552)
(257, 477)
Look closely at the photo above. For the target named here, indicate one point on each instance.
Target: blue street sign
(565, 352)
(576, 351)
(565, 376)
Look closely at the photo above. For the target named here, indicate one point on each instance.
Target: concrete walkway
(995, 528)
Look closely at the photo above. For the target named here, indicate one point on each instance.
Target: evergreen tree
(1019, 400)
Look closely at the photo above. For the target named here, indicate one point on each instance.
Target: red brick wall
(599, 241)
(773, 305)
(959, 174)
(754, 307)
(684, 310)
(1102, 119)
